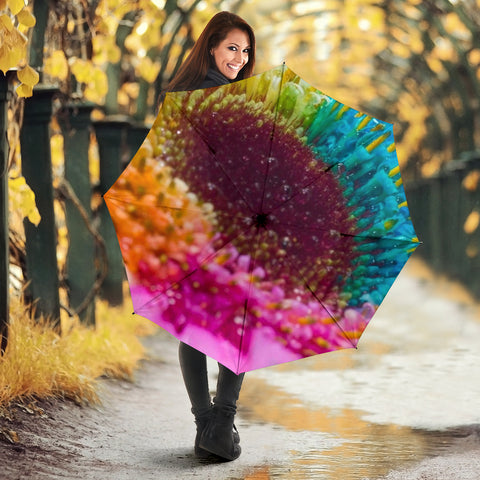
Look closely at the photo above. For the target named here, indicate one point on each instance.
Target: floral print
(262, 221)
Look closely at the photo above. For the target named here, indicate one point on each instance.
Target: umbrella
(262, 221)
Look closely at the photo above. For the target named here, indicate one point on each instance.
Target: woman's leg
(228, 388)
(194, 370)
(220, 436)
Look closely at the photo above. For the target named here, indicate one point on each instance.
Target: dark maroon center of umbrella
(261, 220)
(231, 160)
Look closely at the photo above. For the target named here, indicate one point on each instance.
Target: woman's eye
(233, 49)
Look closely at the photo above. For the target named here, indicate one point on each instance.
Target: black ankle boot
(201, 423)
(219, 437)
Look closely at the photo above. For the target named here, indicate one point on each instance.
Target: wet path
(409, 394)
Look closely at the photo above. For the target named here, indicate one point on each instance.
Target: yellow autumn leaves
(86, 72)
(22, 199)
(15, 20)
(91, 73)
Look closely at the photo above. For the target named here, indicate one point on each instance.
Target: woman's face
(231, 54)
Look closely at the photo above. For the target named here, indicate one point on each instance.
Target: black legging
(194, 370)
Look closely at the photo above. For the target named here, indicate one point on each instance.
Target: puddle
(365, 450)
(402, 397)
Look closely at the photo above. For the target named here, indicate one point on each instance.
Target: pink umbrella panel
(262, 221)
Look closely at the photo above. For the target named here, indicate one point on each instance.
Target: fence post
(418, 196)
(452, 225)
(74, 120)
(135, 137)
(5, 93)
(434, 208)
(111, 136)
(41, 240)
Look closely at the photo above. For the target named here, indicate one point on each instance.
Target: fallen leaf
(10, 435)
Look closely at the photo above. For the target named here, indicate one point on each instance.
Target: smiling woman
(224, 52)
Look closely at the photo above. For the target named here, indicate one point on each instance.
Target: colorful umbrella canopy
(262, 221)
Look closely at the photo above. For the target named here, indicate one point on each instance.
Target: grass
(39, 363)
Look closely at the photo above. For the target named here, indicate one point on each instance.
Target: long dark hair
(194, 69)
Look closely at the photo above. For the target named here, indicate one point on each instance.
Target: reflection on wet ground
(397, 400)
(365, 450)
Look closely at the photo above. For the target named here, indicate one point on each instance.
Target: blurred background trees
(413, 63)
(101, 65)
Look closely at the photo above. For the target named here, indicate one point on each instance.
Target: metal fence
(94, 265)
(445, 211)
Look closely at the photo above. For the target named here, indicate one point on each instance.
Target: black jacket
(213, 79)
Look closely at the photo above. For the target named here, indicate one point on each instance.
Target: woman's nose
(242, 57)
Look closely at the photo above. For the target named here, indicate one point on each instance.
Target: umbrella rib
(299, 191)
(240, 347)
(365, 237)
(214, 155)
(335, 320)
(129, 201)
(272, 135)
(307, 185)
(250, 286)
(372, 237)
(201, 263)
(344, 333)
